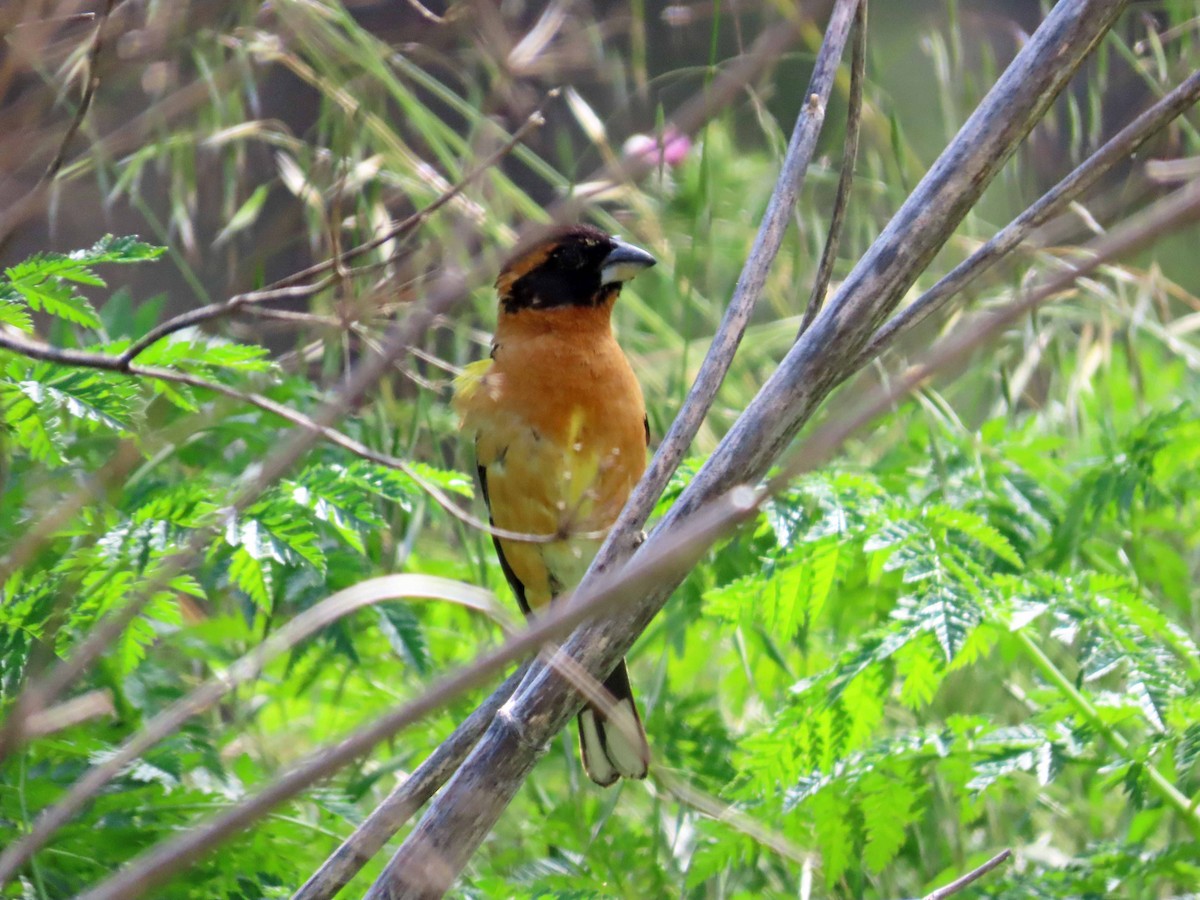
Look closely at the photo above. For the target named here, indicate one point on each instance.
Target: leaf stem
(1052, 673)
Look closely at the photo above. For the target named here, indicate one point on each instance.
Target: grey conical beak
(623, 262)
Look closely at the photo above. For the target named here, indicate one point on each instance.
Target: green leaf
(404, 634)
(888, 805)
(15, 316)
(831, 821)
(250, 574)
(56, 298)
(945, 609)
(125, 249)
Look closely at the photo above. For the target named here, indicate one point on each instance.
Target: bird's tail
(614, 745)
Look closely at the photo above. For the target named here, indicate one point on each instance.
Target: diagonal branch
(1118, 147)
(974, 875)
(463, 815)
(678, 553)
(858, 68)
(85, 102)
(403, 802)
(749, 289)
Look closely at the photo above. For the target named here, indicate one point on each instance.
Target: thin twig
(194, 317)
(290, 285)
(427, 14)
(858, 66)
(112, 363)
(72, 19)
(128, 134)
(974, 875)
(307, 623)
(722, 811)
(27, 202)
(85, 102)
(1118, 147)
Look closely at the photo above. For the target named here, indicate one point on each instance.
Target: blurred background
(252, 140)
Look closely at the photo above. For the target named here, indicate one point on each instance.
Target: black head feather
(568, 269)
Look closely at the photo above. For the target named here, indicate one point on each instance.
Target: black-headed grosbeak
(560, 436)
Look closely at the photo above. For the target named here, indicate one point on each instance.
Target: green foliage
(975, 630)
(46, 282)
(313, 533)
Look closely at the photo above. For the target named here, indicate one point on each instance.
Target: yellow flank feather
(468, 382)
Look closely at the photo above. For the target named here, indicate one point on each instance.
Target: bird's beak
(624, 262)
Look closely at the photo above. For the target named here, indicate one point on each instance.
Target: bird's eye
(569, 257)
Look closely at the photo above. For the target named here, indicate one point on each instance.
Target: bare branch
(465, 812)
(91, 705)
(858, 66)
(404, 801)
(1118, 147)
(85, 102)
(975, 874)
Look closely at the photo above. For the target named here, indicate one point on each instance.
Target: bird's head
(577, 266)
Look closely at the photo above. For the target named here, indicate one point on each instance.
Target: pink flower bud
(671, 148)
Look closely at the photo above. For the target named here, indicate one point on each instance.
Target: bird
(560, 434)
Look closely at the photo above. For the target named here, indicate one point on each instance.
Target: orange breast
(559, 427)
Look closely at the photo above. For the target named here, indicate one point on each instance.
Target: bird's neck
(576, 321)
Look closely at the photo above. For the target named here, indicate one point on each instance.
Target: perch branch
(465, 812)
(676, 556)
(765, 50)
